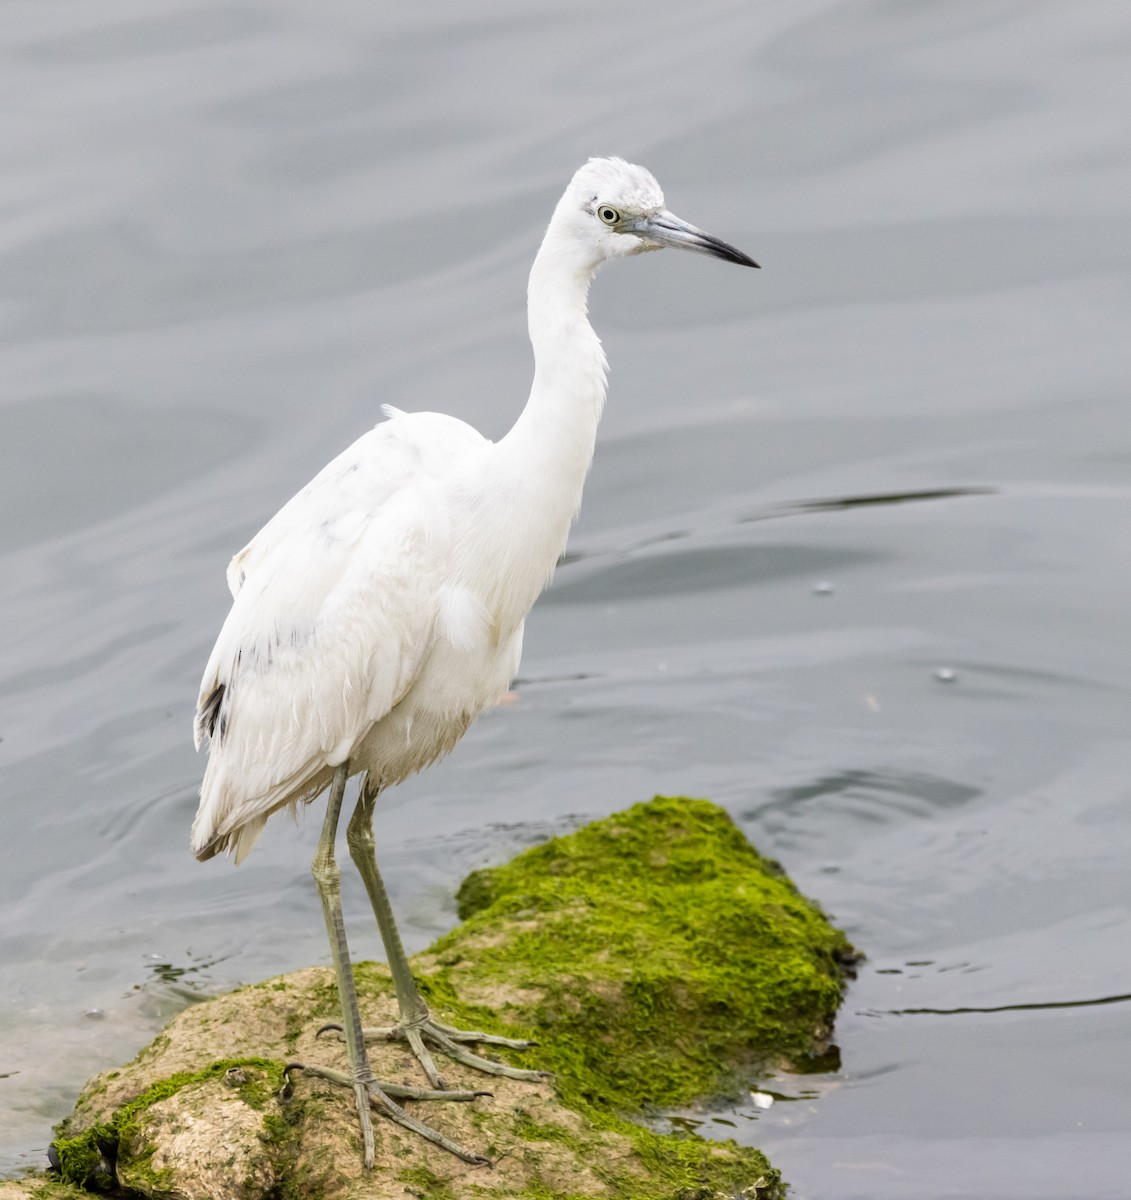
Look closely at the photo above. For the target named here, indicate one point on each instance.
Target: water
(231, 230)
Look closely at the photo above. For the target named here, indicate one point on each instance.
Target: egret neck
(545, 457)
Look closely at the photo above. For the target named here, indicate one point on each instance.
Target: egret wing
(334, 609)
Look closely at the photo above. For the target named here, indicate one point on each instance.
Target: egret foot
(379, 1096)
(447, 1039)
(368, 1092)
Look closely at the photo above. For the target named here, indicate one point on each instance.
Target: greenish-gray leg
(367, 1090)
(363, 851)
(416, 1024)
(328, 878)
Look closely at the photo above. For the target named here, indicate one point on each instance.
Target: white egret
(381, 610)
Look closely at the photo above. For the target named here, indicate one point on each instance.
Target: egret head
(617, 208)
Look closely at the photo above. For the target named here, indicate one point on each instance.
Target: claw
(379, 1096)
(287, 1090)
(402, 1091)
(487, 1039)
(447, 1039)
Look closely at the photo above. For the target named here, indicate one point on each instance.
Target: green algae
(657, 960)
(670, 959)
(86, 1159)
(38, 1188)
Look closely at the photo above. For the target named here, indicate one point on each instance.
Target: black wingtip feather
(209, 717)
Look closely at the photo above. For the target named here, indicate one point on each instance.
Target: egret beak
(666, 229)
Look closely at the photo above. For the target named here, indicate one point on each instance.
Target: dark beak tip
(734, 255)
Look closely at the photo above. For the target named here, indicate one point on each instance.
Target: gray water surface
(229, 231)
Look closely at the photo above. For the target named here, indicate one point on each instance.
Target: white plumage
(381, 610)
(355, 599)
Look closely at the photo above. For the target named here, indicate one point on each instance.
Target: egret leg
(416, 1026)
(368, 1092)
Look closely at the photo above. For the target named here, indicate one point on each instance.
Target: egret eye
(608, 214)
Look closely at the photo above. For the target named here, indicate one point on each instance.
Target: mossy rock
(656, 958)
(37, 1187)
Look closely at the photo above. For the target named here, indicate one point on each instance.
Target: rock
(655, 957)
(38, 1187)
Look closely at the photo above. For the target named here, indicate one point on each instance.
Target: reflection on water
(888, 498)
(193, 979)
(230, 233)
(995, 1008)
(872, 795)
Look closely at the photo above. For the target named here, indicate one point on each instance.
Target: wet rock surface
(655, 958)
